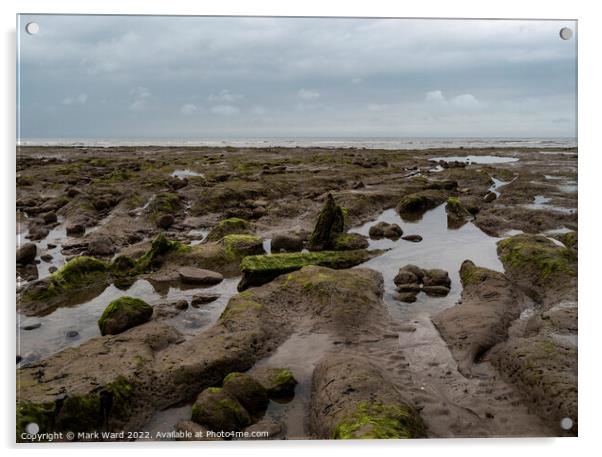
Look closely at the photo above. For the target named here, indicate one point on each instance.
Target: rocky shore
(430, 297)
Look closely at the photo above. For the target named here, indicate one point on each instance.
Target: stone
(218, 411)
(412, 238)
(202, 299)
(286, 242)
(46, 257)
(75, 229)
(199, 276)
(26, 253)
(436, 291)
(49, 217)
(278, 382)
(330, 224)
(165, 221)
(406, 297)
(385, 230)
(123, 314)
(101, 246)
(436, 277)
(249, 393)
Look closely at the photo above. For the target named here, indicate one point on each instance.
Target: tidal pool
(476, 159)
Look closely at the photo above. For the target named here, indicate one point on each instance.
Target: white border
(589, 169)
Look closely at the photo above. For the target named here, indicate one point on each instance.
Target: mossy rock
(122, 314)
(160, 247)
(350, 242)
(218, 411)
(569, 239)
(455, 206)
(233, 225)
(239, 245)
(330, 224)
(261, 269)
(471, 275)
(249, 393)
(279, 382)
(164, 203)
(79, 413)
(379, 421)
(537, 257)
(413, 206)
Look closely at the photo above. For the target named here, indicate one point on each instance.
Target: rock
(199, 276)
(49, 217)
(331, 223)
(122, 314)
(19, 358)
(445, 184)
(412, 287)
(32, 326)
(165, 221)
(385, 230)
(52, 269)
(350, 242)
(544, 270)
(75, 229)
(489, 197)
(72, 192)
(412, 238)
(409, 274)
(26, 253)
(101, 204)
(101, 246)
(260, 269)
(436, 277)
(351, 398)
(241, 245)
(406, 297)
(218, 411)
(249, 393)
(37, 232)
(286, 242)
(169, 310)
(278, 382)
(202, 299)
(231, 226)
(481, 319)
(50, 245)
(436, 291)
(46, 257)
(72, 334)
(413, 206)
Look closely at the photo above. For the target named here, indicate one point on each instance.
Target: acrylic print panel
(300, 228)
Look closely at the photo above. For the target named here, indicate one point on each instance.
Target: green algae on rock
(241, 245)
(249, 393)
(233, 225)
(279, 382)
(122, 314)
(538, 260)
(258, 270)
(331, 223)
(412, 206)
(218, 411)
(379, 421)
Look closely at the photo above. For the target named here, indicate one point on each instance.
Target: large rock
(331, 223)
(218, 411)
(286, 242)
(436, 277)
(258, 270)
(249, 393)
(233, 225)
(350, 242)
(26, 253)
(412, 206)
(242, 245)
(165, 221)
(481, 319)
(102, 246)
(122, 314)
(75, 229)
(385, 230)
(199, 276)
(351, 399)
(278, 382)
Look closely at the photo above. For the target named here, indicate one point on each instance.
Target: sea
(304, 142)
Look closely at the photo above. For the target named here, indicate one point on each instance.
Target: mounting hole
(32, 28)
(32, 428)
(566, 33)
(566, 423)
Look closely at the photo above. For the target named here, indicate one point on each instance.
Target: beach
(437, 285)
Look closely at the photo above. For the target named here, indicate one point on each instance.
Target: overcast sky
(195, 77)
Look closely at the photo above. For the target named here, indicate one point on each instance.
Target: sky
(232, 77)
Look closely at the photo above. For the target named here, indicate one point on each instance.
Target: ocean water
(369, 143)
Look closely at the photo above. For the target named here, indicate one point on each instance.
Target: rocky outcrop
(352, 399)
(481, 319)
(258, 270)
(231, 226)
(330, 224)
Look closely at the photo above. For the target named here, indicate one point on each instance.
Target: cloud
(140, 97)
(462, 101)
(377, 107)
(308, 94)
(224, 96)
(357, 80)
(225, 110)
(259, 110)
(189, 109)
(81, 99)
